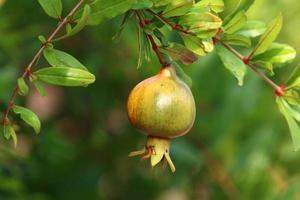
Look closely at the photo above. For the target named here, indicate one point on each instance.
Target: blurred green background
(239, 147)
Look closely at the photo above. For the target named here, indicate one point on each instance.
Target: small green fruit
(162, 107)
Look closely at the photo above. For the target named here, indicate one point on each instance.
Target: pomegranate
(162, 107)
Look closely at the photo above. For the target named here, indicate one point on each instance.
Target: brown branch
(175, 27)
(155, 48)
(278, 89)
(28, 70)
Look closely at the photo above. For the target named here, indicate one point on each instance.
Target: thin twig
(155, 48)
(28, 69)
(246, 60)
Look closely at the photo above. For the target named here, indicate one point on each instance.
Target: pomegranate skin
(162, 105)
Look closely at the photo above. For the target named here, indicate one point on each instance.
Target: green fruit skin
(162, 105)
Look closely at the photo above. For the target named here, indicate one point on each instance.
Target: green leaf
(194, 44)
(53, 8)
(144, 47)
(292, 123)
(42, 39)
(269, 36)
(233, 6)
(215, 5)
(161, 37)
(9, 131)
(295, 84)
(293, 75)
(235, 23)
(158, 3)
(126, 17)
(232, 63)
(277, 54)
(38, 85)
(81, 23)
(202, 21)
(265, 65)
(65, 76)
(57, 58)
(103, 10)
(180, 52)
(142, 4)
(182, 75)
(29, 117)
(236, 39)
(253, 29)
(23, 88)
(177, 8)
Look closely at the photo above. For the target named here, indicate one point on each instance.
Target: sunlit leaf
(194, 44)
(235, 23)
(269, 36)
(277, 54)
(65, 76)
(236, 39)
(178, 8)
(253, 29)
(215, 5)
(199, 22)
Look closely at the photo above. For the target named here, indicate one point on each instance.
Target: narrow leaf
(269, 36)
(293, 126)
(53, 8)
(182, 75)
(253, 29)
(215, 5)
(57, 58)
(232, 63)
(9, 131)
(236, 39)
(142, 4)
(81, 23)
(277, 54)
(29, 117)
(65, 76)
(194, 44)
(23, 88)
(235, 23)
(178, 8)
(103, 10)
(38, 85)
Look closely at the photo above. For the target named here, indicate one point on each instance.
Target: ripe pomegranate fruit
(162, 107)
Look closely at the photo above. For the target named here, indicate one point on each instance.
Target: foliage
(184, 31)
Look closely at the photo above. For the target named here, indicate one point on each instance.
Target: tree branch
(279, 90)
(28, 70)
(155, 48)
